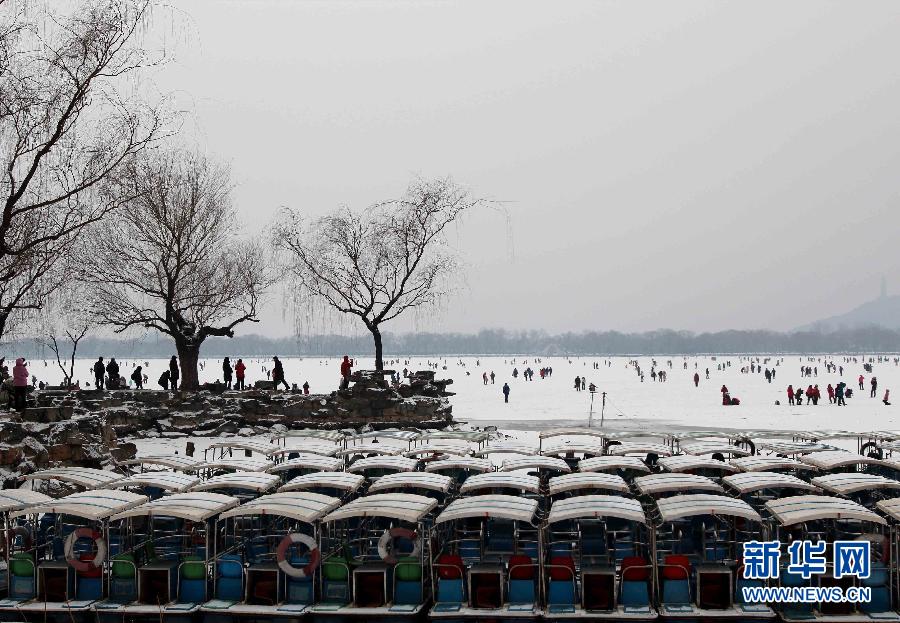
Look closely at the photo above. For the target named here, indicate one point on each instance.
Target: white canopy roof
(168, 481)
(501, 480)
(596, 506)
(314, 433)
(302, 506)
(759, 463)
(571, 432)
(573, 447)
(476, 436)
(710, 447)
(534, 462)
(397, 463)
(793, 447)
(308, 461)
(403, 506)
(680, 506)
(171, 461)
(189, 506)
(242, 464)
(845, 484)
(323, 449)
(610, 463)
(638, 447)
(507, 447)
(461, 462)
(586, 481)
(253, 445)
(378, 449)
(17, 499)
(249, 481)
(81, 476)
(490, 506)
(748, 482)
(890, 507)
(390, 433)
(799, 508)
(686, 462)
(329, 480)
(94, 505)
(655, 484)
(412, 480)
(832, 459)
(451, 447)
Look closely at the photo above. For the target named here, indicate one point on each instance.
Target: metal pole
(591, 412)
(602, 409)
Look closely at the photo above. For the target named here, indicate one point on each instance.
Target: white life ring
(281, 555)
(69, 549)
(386, 542)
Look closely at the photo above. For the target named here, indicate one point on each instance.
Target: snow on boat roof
(696, 434)
(94, 505)
(192, 506)
(399, 463)
(81, 476)
(370, 448)
(390, 433)
(460, 462)
(477, 436)
(403, 506)
(892, 445)
(440, 447)
(890, 507)
(308, 461)
(501, 480)
(793, 447)
(844, 484)
(535, 462)
(314, 433)
(237, 464)
(684, 462)
(710, 447)
(595, 506)
(604, 463)
(571, 432)
(507, 447)
(748, 482)
(666, 483)
(638, 447)
(329, 480)
(761, 463)
(832, 459)
(250, 481)
(490, 506)
(304, 506)
(168, 481)
(262, 447)
(799, 508)
(565, 447)
(587, 480)
(412, 480)
(17, 499)
(322, 449)
(172, 461)
(681, 506)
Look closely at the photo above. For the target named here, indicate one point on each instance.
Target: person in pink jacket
(20, 383)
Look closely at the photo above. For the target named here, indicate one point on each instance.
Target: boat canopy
(17, 499)
(610, 463)
(82, 476)
(581, 447)
(402, 506)
(637, 447)
(586, 481)
(712, 447)
(304, 506)
(95, 505)
(759, 463)
(240, 464)
(314, 433)
(308, 461)
(390, 433)
(412, 480)
(534, 462)
(793, 447)
(507, 447)
(329, 480)
(247, 481)
(832, 459)
(490, 506)
(597, 506)
(890, 507)
(253, 445)
(323, 449)
(167, 481)
(749, 482)
(847, 483)
(194, 506)
(799, 508)
(378, 449)
(893, 444)
(681, 506)
(571, 432)
(470, 463)
(655, 484)
(686, 462)
(441, 447)
(501, 480)
(178, 462)
(397, 463)
(475, 436)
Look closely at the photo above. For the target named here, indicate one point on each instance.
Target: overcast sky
(688, 165)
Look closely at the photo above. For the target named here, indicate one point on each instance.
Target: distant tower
(883, 287)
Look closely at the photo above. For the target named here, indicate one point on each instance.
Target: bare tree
(63, 322)
(68, 120)
(171, 259)
(378, 263)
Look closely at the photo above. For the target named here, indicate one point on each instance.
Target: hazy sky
(691, 165)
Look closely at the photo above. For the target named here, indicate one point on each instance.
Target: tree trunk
(376, 335)
(188, 354)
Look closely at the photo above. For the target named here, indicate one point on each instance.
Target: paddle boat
(863, 488)
(459, 468)
(241, 485)
(572, 444)
(771, 463)
(70, 479)
(18, 542)
(507, 446)
(437, 486)
(225, 449)
(156, 483)
(544, 466)
(208, 469)
(342, 485)
(828, 461)
(757, 488)
(172, 462)
(582, 483)
(381, 465)
(654, 486)
(693, 464)
(303, 463)
(626, 466)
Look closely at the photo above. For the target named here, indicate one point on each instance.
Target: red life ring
(289, 541)
(99, 543)
(386, 542)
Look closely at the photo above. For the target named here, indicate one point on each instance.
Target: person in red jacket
(20, 384)
(239, 369)
(346, 366)
(790, 392)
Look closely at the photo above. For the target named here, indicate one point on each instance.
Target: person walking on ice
(506, 392)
